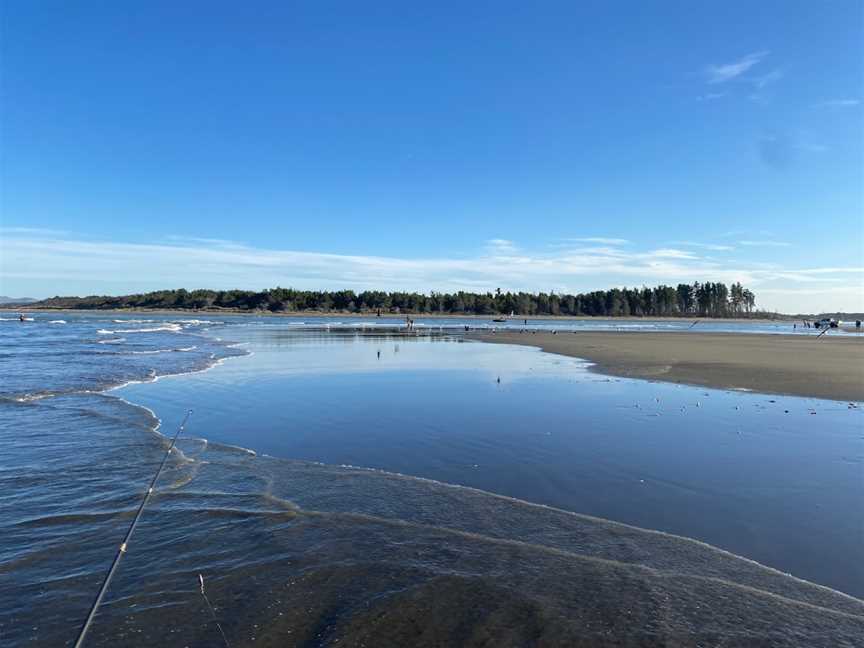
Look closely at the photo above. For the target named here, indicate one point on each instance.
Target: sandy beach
(831, 368)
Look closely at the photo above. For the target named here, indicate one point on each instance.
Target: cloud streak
(767, 79)
(711, 96)
(728, 71)
(44, 266)
(599, 239)
(499, 246)
(705, 246)
(764, 243)
(839, 103)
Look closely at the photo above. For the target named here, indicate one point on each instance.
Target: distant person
(858, 324)
(525, 321)
(21, 317)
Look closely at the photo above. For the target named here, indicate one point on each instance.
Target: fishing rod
(123, 545)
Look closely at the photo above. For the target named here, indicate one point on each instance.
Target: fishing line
(213, 612)
(123, 545)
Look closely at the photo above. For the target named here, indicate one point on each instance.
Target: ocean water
(354, 487)
(516, 323)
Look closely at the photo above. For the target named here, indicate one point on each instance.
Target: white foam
(194, 322)
(112, 341)
(248, 451)
(168, 327)
(57, 322)
(180, 350)
(33, 397)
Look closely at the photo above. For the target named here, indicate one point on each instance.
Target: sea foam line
(170, 327)
(180, 350)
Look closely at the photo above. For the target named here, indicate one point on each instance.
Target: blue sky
(541, 146)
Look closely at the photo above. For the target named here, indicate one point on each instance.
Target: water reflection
(777, 479)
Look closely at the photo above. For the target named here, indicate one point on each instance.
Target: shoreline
(23, 308)
(827, 368)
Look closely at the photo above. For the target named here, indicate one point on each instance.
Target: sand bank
(828, 367)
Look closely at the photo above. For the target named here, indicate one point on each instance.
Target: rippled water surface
(351, 487)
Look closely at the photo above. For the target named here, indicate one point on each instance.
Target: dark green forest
(702, 300)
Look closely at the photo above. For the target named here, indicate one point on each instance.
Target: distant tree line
(699, 299)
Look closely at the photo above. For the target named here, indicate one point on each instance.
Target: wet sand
(831, 368)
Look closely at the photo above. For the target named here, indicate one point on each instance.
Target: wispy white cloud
(851, 292)
(500, 246)
(599, 239)
(669, 253)
(40, 266)
(761, 93)
(747, 233)
(767, 79)
(711, 96)
(727, 71)
(765, 243)
(705, 246)
(204, 241)
(839, 103)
